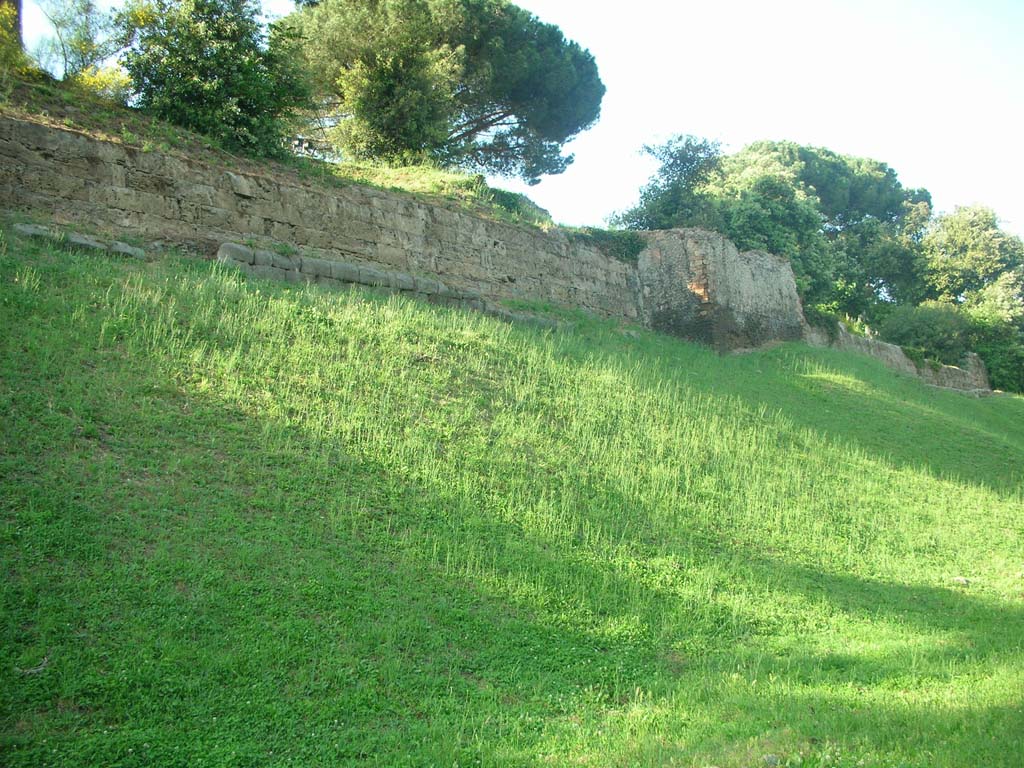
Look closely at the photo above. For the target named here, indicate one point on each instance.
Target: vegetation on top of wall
(70, 105)
(434, 181)
(922, 357)
(211, 66)
(823, 319)
(622, 244)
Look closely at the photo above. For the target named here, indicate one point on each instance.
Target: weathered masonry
(689, 282)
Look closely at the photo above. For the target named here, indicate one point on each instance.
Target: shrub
(823, 317)
(206, 65)
(519, 206)
(110, 83)
(622, 244)
(1000, 345)
(939, 330)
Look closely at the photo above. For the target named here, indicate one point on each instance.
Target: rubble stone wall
(971, 377)
(77, 178)
(687, 282)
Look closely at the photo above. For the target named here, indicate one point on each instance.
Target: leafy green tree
(207, 65)
(481, 84)
(12, 55)
(674, 197)
(997, 328)
(880, 262)
(395, 90)
(871, 225)
(773, 215)
(850, 229)
(936, 328)
(966, 251)
(84, 37)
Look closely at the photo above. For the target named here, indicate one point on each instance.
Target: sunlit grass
(248, 524)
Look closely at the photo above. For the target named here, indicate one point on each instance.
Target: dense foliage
(860, 243)
(934, 328)
(845, 223)
(12, 57)
(966, 252)
(673, 197)
(208, 66)
(10, 23)
(472, 83)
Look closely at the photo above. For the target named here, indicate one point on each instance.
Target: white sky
(935, 88)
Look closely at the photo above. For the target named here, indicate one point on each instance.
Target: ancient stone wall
(695, 283)
(688, 282)
(971, 377)
(77, 178)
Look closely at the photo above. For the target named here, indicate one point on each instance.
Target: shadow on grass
(301, 603)
(210, 586)
(858, 402)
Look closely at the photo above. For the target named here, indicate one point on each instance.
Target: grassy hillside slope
(247, 524)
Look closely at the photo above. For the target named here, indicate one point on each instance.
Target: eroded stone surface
(694, 283)
(77, 178)
(689, 283)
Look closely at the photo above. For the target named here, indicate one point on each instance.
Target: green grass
(468, 191)
(245, 524)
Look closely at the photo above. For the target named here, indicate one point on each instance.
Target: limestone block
(427, 286)
(33, 230)
(267, 273)
(286, 261)
(240, 185)
(309, 237)
(371, 276)
(348, 273)
(127, 250)
(327, 282)
(315, 267)
(390, 254)
(203, 194)
(400, 281)
(148, 182)
(263, 258)
(236, 252)
(84, 241)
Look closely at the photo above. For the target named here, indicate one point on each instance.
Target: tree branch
(481, 124)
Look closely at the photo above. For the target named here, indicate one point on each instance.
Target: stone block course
(689, 283)
(971, 377)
